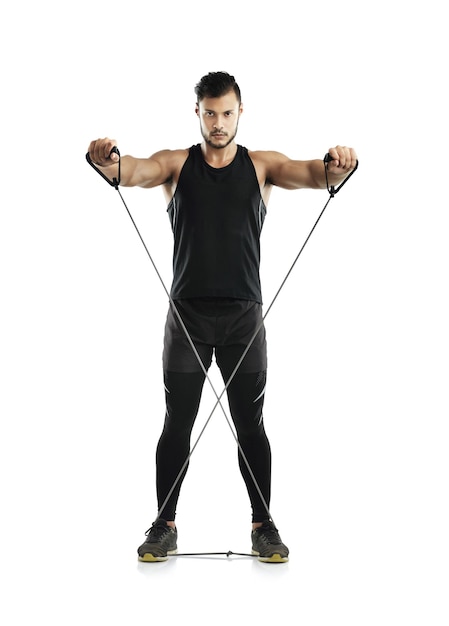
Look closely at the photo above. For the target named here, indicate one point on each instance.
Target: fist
(100, 152)
(343, 159)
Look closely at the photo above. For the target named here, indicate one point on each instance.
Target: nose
(218, 124)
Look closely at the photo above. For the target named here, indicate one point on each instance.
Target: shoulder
(170, 163)
(170, 157)
(267, 157)
(267, 163)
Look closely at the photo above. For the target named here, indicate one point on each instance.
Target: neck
(218, 157)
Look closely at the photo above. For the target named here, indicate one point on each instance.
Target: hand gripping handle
(115, 182)
(332, 190)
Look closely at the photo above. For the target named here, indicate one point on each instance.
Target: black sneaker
(160, 542)
(267, 544)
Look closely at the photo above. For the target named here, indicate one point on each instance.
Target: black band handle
(332, 190)
(115, 182)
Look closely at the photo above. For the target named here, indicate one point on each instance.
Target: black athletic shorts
(222, 325)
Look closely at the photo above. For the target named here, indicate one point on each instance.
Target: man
(217, 193)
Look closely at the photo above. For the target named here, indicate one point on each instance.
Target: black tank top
(217, 217)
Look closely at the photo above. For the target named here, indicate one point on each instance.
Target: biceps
(146, 173)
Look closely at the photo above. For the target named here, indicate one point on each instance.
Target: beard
(224, 140)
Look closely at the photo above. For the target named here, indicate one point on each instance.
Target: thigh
(179, 354)
(245, 344)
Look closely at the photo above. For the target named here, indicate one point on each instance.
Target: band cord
(332, 191)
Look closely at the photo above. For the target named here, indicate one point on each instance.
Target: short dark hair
(216, 84)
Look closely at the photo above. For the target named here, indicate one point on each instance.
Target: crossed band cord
(332, 191)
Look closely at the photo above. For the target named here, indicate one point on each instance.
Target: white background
(356, 408)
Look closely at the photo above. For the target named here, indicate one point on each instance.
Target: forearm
(300, 175)
(132, 172)
(315, 174)
(128, 170)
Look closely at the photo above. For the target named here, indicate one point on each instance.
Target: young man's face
(219, 119)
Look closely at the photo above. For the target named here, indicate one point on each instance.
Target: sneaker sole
(274, 558)
(151, 558)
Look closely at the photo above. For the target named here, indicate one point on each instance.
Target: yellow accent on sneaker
(150, 558)
(274, 558)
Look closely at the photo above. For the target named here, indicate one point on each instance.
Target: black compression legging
(245, 397)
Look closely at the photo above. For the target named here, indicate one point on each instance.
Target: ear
(241, 108)
(197, 108)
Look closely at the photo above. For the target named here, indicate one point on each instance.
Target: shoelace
(270, 534)
(156, 531)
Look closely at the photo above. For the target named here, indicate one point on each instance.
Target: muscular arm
(291, 174)
(155, 170)
(151, 172)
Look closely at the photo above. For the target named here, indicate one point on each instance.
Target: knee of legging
(178, 423)
(249, 427)
(246, 405)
